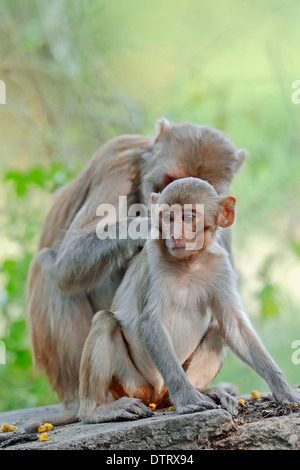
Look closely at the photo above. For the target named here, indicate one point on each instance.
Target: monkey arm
(247, 345)
(184, 396)
(83, 260)
(163, 354)
(87, 253)
(87, 260)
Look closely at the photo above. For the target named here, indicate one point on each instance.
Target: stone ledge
(213, 429)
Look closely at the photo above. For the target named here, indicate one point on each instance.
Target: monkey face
(182, 229)
(190, 211)
(186, 150)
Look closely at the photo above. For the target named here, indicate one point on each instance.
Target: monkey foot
(123, 409)
(204, 405)
(181, 410)
(224, 399)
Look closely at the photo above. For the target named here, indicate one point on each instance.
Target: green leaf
(38, 176)
(19, 181)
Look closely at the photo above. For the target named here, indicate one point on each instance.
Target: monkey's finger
(133, 413)
(136, 406)
(189, 409)
(143, 412)
(229, 404)
(210, 406)
(139, 408)
(206, 401)
(128, 415)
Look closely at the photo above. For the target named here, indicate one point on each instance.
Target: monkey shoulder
(219, 264)
(121, 158)
(122, 149)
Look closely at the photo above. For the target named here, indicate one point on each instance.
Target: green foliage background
(80, 72)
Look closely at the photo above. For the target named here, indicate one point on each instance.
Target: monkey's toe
(225, 400)
(123, 409)
(181, 410)
(229, 404)
(135, 407)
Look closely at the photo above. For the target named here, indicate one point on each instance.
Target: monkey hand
(226, 401)
(191, 400)
(124, 408)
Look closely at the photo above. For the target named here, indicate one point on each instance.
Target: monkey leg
(58, 324)
(107, 368)
(204, 365)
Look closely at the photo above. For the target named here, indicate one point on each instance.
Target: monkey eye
(168, 217)
(188, 217)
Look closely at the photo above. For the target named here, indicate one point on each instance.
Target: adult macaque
(74, 273)
(172, 316)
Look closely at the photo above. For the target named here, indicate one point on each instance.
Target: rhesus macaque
(75, 274)
(177, 308)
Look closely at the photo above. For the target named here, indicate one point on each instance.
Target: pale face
(190, 212)
(183, 229)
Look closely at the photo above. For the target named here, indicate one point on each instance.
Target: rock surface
(213, 429)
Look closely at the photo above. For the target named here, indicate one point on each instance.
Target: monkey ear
(154, 198)
(163, 127)
(242, 154)
(227, 212)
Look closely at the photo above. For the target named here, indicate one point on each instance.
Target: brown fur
(60, 310)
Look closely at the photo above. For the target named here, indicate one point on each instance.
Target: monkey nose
(178, 242)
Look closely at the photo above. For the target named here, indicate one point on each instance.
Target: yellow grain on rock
(45, 427)
(255, 395)
(8, 427)
(239, 421)
(171, 408)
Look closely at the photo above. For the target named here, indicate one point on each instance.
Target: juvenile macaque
(163, 341)
(74, 273)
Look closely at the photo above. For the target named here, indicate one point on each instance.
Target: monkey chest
(186, 322)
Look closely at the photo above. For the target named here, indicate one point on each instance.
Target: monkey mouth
(177, 250)
(176, 244)
(182, 250)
